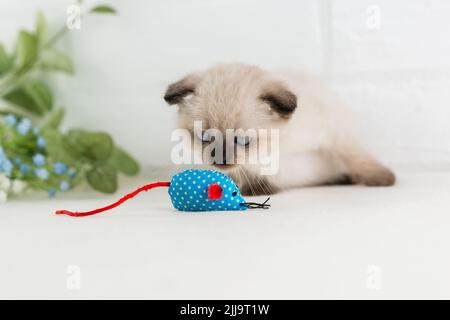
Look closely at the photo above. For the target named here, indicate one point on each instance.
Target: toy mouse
(191, 190)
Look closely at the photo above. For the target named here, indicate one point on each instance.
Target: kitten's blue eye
(243, 140)
(204, 136)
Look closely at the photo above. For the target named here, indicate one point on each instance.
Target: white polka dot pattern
(189, 191)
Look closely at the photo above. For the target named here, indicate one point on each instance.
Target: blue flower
(72, 173)
(11, 120)
(64, 186)
(41, 143)
(51, 192)
(24, 126)
(39, 160)
(24, 168)
(41, 173)
(17, 160)
(6, 165)
(60, 168)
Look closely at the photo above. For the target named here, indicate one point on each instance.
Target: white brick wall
(390, 60)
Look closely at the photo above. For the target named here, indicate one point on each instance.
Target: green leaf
(41, 29)
(57, 147)
(96, 146)
(41, 94)
(103, 9)
(54, 120)
(55, 60)
(26, 51)
(5, 60)
(103, 178)
(34, 96)
(124, 162)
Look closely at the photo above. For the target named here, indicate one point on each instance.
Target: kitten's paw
(382, 177)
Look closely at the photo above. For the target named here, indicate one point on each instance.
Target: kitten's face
(237, 97)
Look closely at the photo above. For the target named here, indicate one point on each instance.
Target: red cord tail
(116, 204)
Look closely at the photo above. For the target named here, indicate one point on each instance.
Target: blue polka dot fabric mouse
(205, 190)
(192, 191)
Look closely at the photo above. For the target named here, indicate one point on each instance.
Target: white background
(390, 60)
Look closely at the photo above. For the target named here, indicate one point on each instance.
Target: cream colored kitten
(317, 145)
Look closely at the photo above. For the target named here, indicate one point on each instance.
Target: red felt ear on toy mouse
(214, 191)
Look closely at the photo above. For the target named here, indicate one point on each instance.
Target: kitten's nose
(224, 159)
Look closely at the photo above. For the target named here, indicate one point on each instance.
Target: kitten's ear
(280, 99)
(177, 91)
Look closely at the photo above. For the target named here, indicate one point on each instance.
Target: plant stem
(57, 36)
(9, 82)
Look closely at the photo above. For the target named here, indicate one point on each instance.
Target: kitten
(316, 142)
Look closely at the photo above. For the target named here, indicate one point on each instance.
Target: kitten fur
(317, 143)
